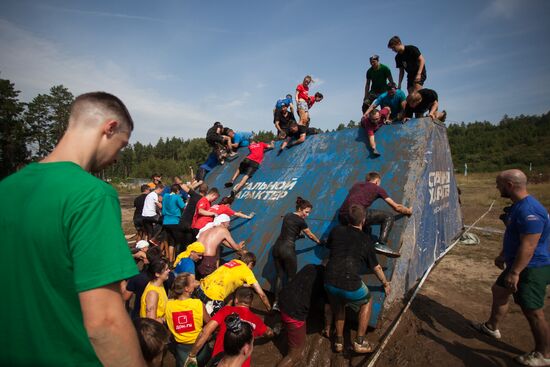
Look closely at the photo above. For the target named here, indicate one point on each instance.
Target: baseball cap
(142, 244)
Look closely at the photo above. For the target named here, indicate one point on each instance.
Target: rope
(375, 357)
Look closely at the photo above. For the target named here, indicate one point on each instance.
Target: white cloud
(502, 8)
(36, 64)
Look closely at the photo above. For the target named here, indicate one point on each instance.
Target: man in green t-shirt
(64, 252)
(378, 77)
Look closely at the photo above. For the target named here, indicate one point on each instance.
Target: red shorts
(296, 331)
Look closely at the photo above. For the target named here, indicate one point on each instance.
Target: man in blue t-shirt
(239, 138)
(394, 98)
(525, 260)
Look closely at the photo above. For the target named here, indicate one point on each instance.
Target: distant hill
(513, 143)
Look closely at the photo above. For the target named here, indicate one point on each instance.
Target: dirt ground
(435, 330)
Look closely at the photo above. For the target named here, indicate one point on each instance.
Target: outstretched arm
(203, 337)
(398, 207)
(310, 234)
(109, 328)
(262, 295)
(433, 109)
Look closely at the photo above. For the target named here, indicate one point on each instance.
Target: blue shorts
(354, 299)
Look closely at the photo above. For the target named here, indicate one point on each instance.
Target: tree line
(29, 131)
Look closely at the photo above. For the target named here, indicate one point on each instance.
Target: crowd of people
(69, 265)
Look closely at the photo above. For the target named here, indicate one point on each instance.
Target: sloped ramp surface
(416, 169)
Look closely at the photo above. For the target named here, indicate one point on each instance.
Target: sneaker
(381, 248)
(364, 347)
(484, 329)
(228, 184)
(339, 345)
(375, 153)
(275, 307)
(444, 117)
(232, 194)
(533, 358)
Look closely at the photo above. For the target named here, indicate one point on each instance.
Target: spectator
(243, 300)
(295, 300)
(296, 135)
(153, 339)
(372, 123)
(188, 214)
(172, 204)
(394, 99)
(525, 261)
(378, 75)
(212, 236)
(156, 179)
(185, 262)
(202, 214)
(409, 59)
(185, 317)
(176, 180)
(351, 250)
(250, 164)
(425, 100)
(64, 252)
(154, 298)
(284, 249)
(216, 287)
(364, 194)
(151, 209)
(138, 205)
(282, 120)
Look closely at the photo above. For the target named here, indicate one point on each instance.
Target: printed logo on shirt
(183, 321)
(531, 217)
(231, 264)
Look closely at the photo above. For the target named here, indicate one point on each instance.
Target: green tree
(13, 146)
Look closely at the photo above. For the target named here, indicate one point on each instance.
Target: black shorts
(214, 139)
(411, 82)
(248, 167)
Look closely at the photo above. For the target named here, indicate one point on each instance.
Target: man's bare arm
(401, 75)
(109, 328)
(203, 337)
(421, 63)
(382, 277)
(262, 295)
(398, 207)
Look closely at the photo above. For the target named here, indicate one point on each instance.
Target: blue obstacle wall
(416, 169)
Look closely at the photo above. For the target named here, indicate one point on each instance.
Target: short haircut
(414, 97)
(374, 113)
(392, 85)
(357, 214)
(175, 188)
(244, 295)
(394, 41)
(153, 254)
(227, 200)
(108, 103)
(144, 188)
(237, 334)
(203, 188)
(153, 337)
(213, 191)
(371, 176)
(289, 96)
(159, 186)
(319, 95)
(292, 125)
(248, 258)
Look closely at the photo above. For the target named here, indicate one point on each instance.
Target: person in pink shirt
(250, 164)
(372, 123)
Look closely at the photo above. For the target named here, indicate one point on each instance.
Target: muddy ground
(435, 330)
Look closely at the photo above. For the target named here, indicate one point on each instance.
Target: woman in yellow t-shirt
(154, 298)
(185, 317)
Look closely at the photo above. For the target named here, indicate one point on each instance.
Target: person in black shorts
(425, 100)
(284, 249)
(250, 164)
(138, 204)
(295, 135)
(409, 59)
(221, 144)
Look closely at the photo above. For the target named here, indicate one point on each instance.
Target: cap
(142, 244)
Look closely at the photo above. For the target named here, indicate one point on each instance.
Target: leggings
(284, 254)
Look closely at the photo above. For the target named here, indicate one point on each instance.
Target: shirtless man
(212, 236)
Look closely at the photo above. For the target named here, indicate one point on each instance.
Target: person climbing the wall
(220, 144)
(364, 194)
(284, 249)
(372, 123)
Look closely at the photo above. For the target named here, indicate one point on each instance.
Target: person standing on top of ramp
(377, 77)
(410, 59)
(364, 194)
(284, 249)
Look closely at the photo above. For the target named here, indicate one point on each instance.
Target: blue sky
(181, 65)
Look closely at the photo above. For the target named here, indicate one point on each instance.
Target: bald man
(64, 251)
(525, 260)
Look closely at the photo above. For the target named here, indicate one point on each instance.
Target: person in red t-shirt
(304, 101)
(224, 207)
(243, 300)
(203, 215)
(250, 164)
(372, 123)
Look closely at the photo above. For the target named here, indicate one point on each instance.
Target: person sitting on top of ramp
(364, 194)
(250, 164)
(372, 123)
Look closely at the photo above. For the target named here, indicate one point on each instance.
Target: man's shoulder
(531, 206)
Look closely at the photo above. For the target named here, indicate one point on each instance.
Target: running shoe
(381, 248)
(364, 347)
(533, 358)
(375, 153)
(339, 344)
(275, 306)
(484, 329)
